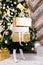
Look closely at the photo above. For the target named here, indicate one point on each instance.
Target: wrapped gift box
(20, 6)
(20, 29)
(26, 37)
(4, 54)
(22, 21)
(15, 37)
(23, 37)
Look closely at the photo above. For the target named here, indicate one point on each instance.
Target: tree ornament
(6, 41)
(8, 24)
(4, 12)
(18, 13)
(5, 49)
(26, 44)
(0, 23)
(37, 44)
(32, 49)
(11, 13)
(10, 1)
(6, 9)
(6, 33)
(11, 4)
(20, 6)
(3, 27)
(15, 3)
(3, 7)
(22, 14)
(24, 4)
(12, 9)
(27, 11)
(7, 6)
(1, 36)
(0, 5)
(2, 48)
(0, 12)
(0, 51)
(7, 0)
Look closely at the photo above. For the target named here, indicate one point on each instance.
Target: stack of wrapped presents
(4, 54)
(21, 29)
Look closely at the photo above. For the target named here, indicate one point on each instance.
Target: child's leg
(22, 55)
(14, 55)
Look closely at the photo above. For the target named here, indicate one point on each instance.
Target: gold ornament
(12, 9)
(0, 12)
(6, 9)
(15, 3)
(18, 13)
(0, 51)
(6, 41)
(32, 49)
(3, 7)
(27, 10)
(6, 33)
(0, 23)
(5, 49)
(2, 48)
(24, 4)
(0, 36)
(26, 44)
(20, 6)
(8, 13)
(8, 23)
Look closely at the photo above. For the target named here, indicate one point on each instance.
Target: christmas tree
(10, 9)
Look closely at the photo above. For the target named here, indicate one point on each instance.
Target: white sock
(14, 55)
(22, 55)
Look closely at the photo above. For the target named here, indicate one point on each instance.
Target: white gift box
(20, 29)
(23, 21)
